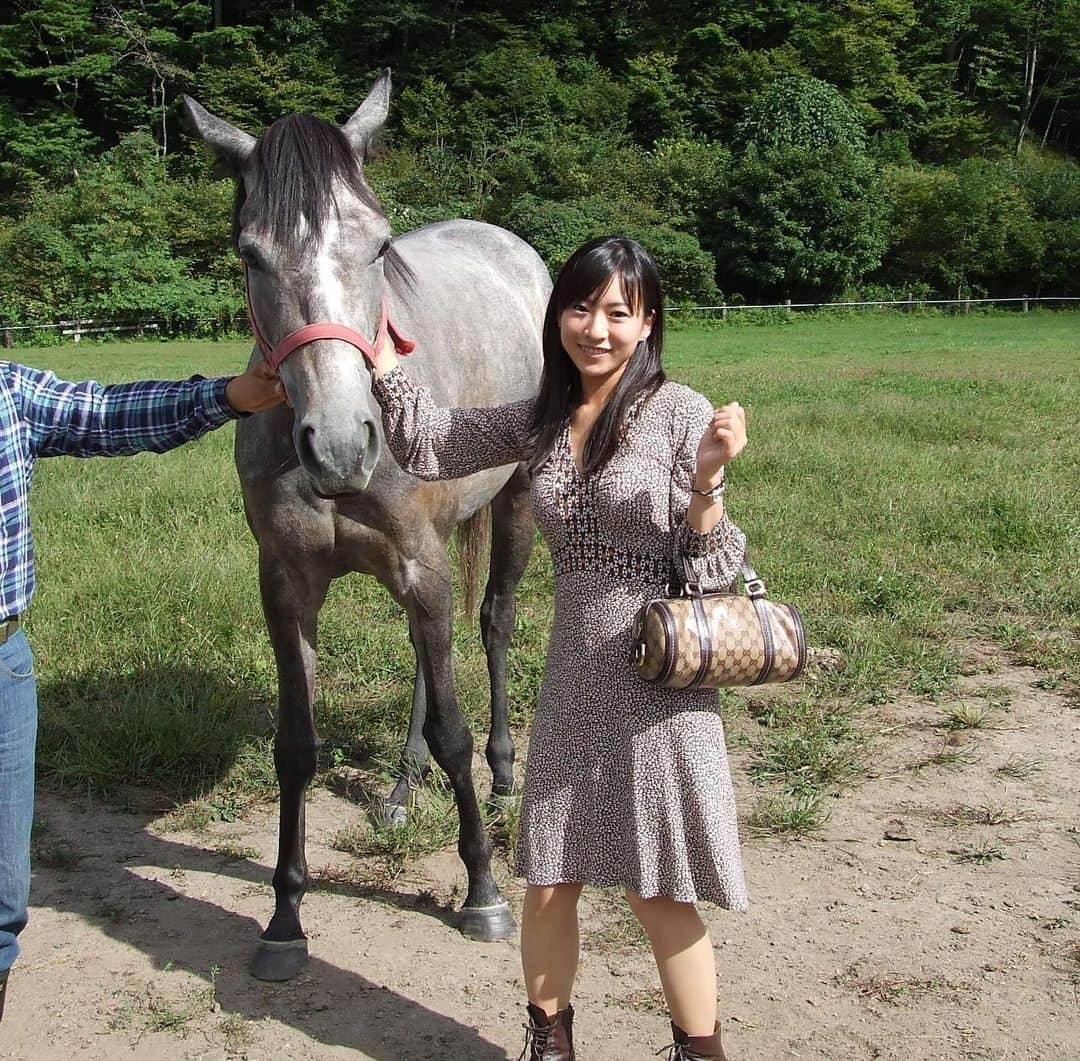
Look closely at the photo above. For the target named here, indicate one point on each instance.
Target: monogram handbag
(698, 640)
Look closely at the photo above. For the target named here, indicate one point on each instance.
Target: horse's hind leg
(415, 758)
(485, 915)
(512, 532)
(291, 602)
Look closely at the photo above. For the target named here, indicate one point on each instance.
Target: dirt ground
(937, 917)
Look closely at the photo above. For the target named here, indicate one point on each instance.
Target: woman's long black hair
(586, 274)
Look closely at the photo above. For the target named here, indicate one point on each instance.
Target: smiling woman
(626, 784)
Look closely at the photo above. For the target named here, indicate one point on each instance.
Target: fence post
(1026, 303)
(723, 312)
(967, 306)
(787, 306)
(9, 339)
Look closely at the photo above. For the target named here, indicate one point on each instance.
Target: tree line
(762, 149)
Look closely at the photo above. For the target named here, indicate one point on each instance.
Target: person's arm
(433, 443)
(709, 544)
(88, 419)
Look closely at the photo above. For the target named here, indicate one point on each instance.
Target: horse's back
(475, 309)
(481, 250)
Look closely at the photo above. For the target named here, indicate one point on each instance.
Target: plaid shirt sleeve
(91, 420)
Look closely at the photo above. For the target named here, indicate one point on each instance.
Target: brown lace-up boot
(549, 1038)
(696, 1047)
(3, 991)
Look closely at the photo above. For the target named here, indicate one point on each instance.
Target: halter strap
(309, 333)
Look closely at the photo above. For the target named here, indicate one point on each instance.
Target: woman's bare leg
(684, 958)
(549, 944)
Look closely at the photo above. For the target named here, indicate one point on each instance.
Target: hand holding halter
(309, 333)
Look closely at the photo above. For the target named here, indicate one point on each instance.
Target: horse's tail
(473, 536)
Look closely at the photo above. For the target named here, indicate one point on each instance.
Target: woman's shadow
(332, 1005)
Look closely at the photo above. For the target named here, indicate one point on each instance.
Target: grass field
(911, 482)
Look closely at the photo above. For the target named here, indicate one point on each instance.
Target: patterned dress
(626, 783)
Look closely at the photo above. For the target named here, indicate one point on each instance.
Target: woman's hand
(724, 439)
(257, 389)
(386, 357)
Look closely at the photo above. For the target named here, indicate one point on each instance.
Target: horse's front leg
(291, 601)
(484, 915)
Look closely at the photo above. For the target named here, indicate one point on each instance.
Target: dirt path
(857, 946)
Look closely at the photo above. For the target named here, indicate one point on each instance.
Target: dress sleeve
(433, 443)
(712, 560)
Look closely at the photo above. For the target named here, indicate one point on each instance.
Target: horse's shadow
(332, 1005)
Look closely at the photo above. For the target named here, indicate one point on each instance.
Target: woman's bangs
(588, 278)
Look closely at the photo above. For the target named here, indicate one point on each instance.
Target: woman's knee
(551, 898)
(658, 908)
(637, 902)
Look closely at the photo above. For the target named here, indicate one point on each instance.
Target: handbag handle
(753, 584)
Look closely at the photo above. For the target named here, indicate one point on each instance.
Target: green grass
(910, 482)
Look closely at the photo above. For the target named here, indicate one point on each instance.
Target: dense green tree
(801, 112)
(964, 228)
(797, 222)
(119, 242)
(751, 133)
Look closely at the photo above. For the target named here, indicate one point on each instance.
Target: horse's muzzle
(337, 465)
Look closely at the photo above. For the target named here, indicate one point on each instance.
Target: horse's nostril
(305, 444)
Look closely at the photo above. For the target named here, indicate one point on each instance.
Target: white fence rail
(1023, 301)
(75, 329)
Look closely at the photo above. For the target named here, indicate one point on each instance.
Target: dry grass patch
(988, 813)
(981, 852)
(1019, 767)
(949, 757)
(150, 1009)
(648, 1000)
(962, 715)
(792, 816)
(894, 990)
(612, 926)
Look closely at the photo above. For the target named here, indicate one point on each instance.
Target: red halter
(309, 333)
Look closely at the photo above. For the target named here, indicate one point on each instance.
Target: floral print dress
(626, 783)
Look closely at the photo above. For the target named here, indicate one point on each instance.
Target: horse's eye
(249, 255)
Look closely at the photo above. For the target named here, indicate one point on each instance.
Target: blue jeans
(18, 737)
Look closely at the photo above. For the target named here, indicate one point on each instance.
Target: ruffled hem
(737, 904)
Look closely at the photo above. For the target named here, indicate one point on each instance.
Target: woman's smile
(600, 334)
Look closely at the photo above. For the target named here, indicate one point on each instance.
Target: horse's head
(316, 245)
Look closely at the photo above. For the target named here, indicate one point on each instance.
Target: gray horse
(321, 494)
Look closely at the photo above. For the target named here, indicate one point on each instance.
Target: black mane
(297, 161)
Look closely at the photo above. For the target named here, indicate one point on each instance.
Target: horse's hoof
(487, 923)
(387, 815)
(279, 960)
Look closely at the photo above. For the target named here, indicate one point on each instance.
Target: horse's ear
(231, 145)
(363, 127)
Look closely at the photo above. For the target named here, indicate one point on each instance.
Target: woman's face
(601, 333)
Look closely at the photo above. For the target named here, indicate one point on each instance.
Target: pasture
(911, 482)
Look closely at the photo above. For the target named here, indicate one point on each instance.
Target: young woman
(626, 784)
